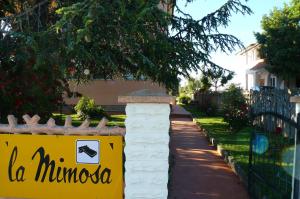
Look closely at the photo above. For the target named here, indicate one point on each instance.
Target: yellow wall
(49, 167)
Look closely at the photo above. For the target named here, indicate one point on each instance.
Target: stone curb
(225, 154)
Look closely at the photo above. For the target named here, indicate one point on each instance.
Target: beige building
(106, 92)
(257, 74)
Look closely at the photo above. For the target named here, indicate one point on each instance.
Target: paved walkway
(178, 111)
(199, 172)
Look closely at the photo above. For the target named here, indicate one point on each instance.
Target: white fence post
(147, 145)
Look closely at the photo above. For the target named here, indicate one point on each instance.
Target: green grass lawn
(114, 120)
(272, 169)
(236, 143)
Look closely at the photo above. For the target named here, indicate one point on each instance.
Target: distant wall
(106, 92)
(208, 100)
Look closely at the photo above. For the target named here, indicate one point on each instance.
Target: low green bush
(86, 108)
(211, 110)
(235, 108)
(184, 99)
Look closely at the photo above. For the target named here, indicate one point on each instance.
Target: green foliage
(206, 84)
(193, 85)
(235, 108)
(215, 77)
(132, 37)
(58, 40)
(184, 99)
(28, 83)
(32, 77)
(86, 108)
(211, 109)
(280, 40)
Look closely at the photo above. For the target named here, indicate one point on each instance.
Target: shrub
(29, 83)
(235, 109)
(211, 109)
(209, 102)
(184, 99)
(86, 108)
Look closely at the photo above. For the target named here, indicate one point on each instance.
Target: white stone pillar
(147, 145)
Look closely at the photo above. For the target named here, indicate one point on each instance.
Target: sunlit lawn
(114, 120)
(236, 143)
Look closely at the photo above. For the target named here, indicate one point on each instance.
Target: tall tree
(193, 85)
(31, 81)
(280, 40)
(113, 38)
(215, 77)
(139, 38)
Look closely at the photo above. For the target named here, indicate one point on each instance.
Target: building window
(273, 81)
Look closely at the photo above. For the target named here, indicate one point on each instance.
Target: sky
(243, 27)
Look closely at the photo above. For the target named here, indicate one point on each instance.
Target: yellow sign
(61, 167)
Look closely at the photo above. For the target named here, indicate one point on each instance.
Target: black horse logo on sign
(90, 152)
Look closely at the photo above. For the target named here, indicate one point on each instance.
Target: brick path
(199, 172)
(180, 112)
